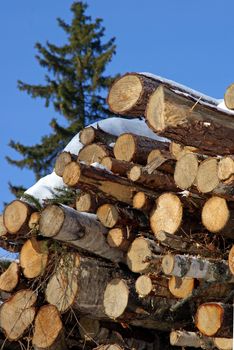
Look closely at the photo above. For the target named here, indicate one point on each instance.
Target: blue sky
(187, 41)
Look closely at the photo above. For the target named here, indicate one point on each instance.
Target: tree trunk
(93, 135)
(144, 256)
(215, 319)
(135, 148)
(48, 330)
(16, 217)
(120, 237)
(111, 215)
(77, 229)
(34, 258)
(10, 277)
(62, 160)
(190, 266)
(189, 122)
(94, 153)
(120, 167)
(17, 314)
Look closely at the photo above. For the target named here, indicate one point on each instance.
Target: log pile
(144, 257)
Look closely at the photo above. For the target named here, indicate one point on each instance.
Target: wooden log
(34, 258)
(116, 166)
(113, 187)
(93, 135)
(33, 222)
(111, 215)
(156, 180)
(62, 160)
(120, 237)
(94, 153)
(87, 202)
(167, 214)
(229, 97)
(17, 314)
(136, 148)
(109, 347)
(226, 168)
(217, 217)
(195, 340)
(48, 330)
(3, 230)
(142, 202)
(177, 150)
(207, 175)
(144, 256)
(77, 229)
(16, 216)
(186, 170)
(231, 260)
(10, 277)
(215, 319)
(70, 285)
(152, 285)
(195, 267)
(181, 287)
(183, 245)
(189, 122)
(158, 160)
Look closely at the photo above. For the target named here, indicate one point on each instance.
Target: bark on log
(152, 285)
(135, 148)
(93, 135)
(144, 256)
(195, 340)
(217, 217)
(48, 330)
(62, 160)
(229, 97)
(190, 266)
(111, 215)
(77, 229)
(142, 202)
(112, 186)
(34, 257)
(215, 319)
(87, 202)
(183, 245)
(167, 214)
(17, 314)
(16, 216)
(120, 237)
(180, 119)
(226, 168)
(116, 166)
(94, 153)
(186, 171)
(10, 278)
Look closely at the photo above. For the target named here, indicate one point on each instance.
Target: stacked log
(144, 259)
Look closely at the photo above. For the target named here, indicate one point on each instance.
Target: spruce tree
(75, 85)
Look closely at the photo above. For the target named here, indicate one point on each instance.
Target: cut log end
(116, 298)
(3, 230)
(144, 286)
(209, 318)
(108, 215)
(93, 153)
(120, 238)
(168, 264)
(186, 171)
(229, 97)
(16, 216)
(124, 94)
(10, 278)
(84, 202)
(215, 214)
(167, 216)
(135, 173)
(51, 220)
(62, 160)
(34, 220)
(225, 168)
(125, 147)
(138, 255)
(155, 110)
(207, 175)
(87, 135)
(142, 202)
(181, 287)
(231, 260)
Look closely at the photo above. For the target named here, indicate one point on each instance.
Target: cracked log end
(125, 147)
(93, 153)
(71, 174)
(108, 215)
(215, 214)
(116, 298)
(51, 221)
(186, 171)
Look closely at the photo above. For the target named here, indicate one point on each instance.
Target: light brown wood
(160, 160)
(177, 150)
(34, 257)
(109, 347)
(181, 287)
(135, 148)
(144, 256)
(217, 217)
(229, 97)
(186, 171)
(226, 168)
(152, 285)
(17, 313)
(215, 319)
(16, 216)
(167, 214)
(10, 278)
(48, 330)
(3, 230)
(119, 167)
(142, 202)
(87, 202)
(207, 175)
(94, 153)
(93, 135)
(33, 222)
(231, 260)
(120, 237)
(62, 160)
(77, 229)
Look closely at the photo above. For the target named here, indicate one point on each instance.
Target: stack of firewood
(143, 258)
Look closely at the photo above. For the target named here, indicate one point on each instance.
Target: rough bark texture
(77, 229)
(94, 153)
(93, 135)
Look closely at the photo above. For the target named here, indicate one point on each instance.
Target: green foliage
(33, 201)
(63, 195)
(75, 85)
